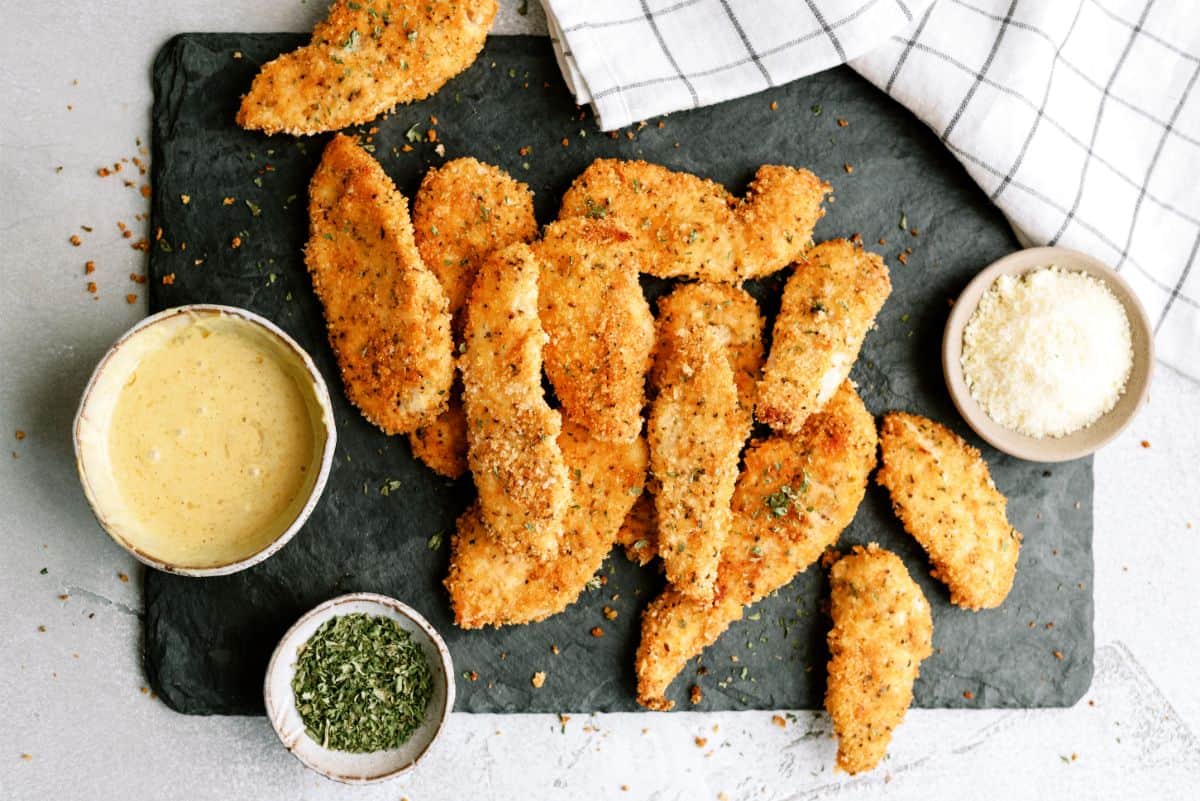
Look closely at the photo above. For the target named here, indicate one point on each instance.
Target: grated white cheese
(1048, 352)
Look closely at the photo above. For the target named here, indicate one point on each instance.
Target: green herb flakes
(362, 684)
(413, 134)
(435, 541)
(780, 502)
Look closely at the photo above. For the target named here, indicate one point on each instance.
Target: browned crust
(386, 314)
(364, 58)
(882, 630)
(829, 304)
(687, 226)
(943, 493)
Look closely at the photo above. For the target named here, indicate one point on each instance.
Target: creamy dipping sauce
(214, 441)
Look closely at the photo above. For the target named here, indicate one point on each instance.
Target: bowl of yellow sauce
(204, 439)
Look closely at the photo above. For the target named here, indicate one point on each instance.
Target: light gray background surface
(74, 722)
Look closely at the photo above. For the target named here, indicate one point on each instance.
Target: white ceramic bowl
(343, 766)
(96, 409)
(1087, 440)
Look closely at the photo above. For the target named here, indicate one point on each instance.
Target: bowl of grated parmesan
(1048, 354)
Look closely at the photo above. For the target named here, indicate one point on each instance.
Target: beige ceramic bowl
(96, 411)
(1082, 442)
(340, 765)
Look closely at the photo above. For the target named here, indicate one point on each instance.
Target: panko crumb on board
(882, 630)
(387, 316)
(492, 586)
(687, 226)
(364, 58)
(944, 495)
(512, 433)
(600, 326)
(793, 499)
(463, 211)
(829, 304)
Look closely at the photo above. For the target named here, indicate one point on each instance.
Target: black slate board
(208, 640)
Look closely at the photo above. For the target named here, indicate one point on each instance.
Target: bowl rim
(1046, 450)
(326, 610)
(320, 391)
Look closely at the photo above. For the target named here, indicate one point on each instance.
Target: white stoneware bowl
(343, 766)
(1087, 440)
(92, 421)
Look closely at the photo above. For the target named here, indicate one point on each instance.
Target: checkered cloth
(1078, 117)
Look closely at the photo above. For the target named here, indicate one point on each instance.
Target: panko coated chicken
(882, 630)
(364, 58)
(492, 586)
(794, 497)
(387, 316)
(600, 326)
(512, 433)
(464, 211)
(686, 226)
(696, 430)
(944, 495)
(829, 303)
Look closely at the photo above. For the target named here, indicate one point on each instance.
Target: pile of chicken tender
(445, 321)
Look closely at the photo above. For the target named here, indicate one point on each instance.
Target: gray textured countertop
(78, 725)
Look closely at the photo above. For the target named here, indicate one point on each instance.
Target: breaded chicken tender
(388, 322)
(363, 59)
(829, 303)
(491, 586)
(735, 313)
(442, 444)
(794, 497)
(686, 226)
(512, 433)
(882, 630)
(696, 430)
(638, 534)
(600, 326)
(464, 211)
(943, 493)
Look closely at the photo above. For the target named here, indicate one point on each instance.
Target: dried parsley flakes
(362, 684)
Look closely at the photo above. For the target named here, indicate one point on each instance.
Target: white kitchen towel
(1079, 118)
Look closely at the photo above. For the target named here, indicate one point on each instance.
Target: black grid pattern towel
(1080, 118)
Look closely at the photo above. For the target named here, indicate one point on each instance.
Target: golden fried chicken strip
(600, 326)
(442, 444)
(386, 314)
(734, 312)
(464, 211)
(882, 630)
(686, 226)
(829, 303)
(512, 433)
(491, 586)
(793, 499)
(943, 493)
(638, 534)
(363, 59)
(696, 430)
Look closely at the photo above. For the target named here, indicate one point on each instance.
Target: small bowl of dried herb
(359, 688)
